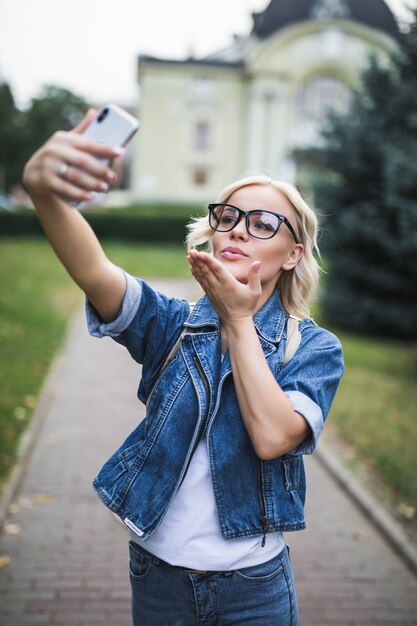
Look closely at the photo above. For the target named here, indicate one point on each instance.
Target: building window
(321, 96)
(200, 177)
(201, 135)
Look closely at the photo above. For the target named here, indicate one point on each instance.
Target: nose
(240, 231)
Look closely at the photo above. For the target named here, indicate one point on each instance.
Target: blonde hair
(296, 286)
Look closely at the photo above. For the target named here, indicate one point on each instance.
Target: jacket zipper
(204, 420)
(262, 516)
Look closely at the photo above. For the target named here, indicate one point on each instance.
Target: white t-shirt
(190, 536)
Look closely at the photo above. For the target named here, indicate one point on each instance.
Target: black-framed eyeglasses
(259, 223)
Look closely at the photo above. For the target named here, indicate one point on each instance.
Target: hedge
(142, 224)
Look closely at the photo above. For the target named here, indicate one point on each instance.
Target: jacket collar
(269, 321)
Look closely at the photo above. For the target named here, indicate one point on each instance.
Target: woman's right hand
(68, 165)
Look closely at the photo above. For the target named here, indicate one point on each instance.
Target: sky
(91, 46)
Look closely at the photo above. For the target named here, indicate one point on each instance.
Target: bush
(153, 223)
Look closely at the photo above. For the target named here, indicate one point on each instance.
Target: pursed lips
(231, 252)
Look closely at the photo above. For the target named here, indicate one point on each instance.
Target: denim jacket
(194, 396)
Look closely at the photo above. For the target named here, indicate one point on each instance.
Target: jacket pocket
(292, 465)
(118, 465)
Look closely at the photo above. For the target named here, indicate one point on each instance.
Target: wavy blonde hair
(296, 286)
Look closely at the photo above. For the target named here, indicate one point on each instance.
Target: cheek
(272, 263)
(215, 244)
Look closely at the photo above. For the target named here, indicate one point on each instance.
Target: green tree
(367, 191)
(22, 132)
(11, 122)
(55, 108)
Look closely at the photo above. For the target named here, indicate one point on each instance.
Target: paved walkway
(68, 556)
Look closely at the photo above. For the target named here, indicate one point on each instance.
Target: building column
(274, 138)
(256, 126)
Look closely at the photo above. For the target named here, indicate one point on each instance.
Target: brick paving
(68, 556)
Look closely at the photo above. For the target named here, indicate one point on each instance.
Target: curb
(30, 435)
(378, 515)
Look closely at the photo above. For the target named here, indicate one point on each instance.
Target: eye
(228, 217)
(264, 222)
(260, 225)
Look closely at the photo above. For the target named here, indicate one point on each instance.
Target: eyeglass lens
(261, 224)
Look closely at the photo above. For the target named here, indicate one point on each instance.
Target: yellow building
(207, 121)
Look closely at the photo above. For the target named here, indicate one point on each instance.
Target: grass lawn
(374, 409)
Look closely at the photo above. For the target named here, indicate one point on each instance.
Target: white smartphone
(112, 126)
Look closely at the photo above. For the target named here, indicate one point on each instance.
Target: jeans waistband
(158, 561)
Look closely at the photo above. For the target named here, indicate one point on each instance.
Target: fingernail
(111, 177)
(103, 187)
(118, 151)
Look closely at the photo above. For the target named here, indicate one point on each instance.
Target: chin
(240, 275)
(238, 269)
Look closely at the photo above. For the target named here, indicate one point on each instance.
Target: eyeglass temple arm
(290, 228)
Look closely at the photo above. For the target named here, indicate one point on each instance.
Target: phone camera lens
(103, 114)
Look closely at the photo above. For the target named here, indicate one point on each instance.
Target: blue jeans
(164, 595)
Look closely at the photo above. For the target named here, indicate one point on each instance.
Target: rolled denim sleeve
(313, 415)
(310, 380)
(130, 304)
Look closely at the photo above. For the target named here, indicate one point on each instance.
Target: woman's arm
(273, 426)
(68, 232)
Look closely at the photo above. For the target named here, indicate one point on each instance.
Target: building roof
(281, 13)
(214, 62)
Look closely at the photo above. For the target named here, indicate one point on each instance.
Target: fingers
(72, 164)
(70, 191)
(206, 269)
(206, 263)
(198, 270)
(80, 143)
(66, 165)
(85, 181)
(254, 277)
(84, 167)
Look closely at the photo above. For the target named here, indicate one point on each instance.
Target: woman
(213, 476)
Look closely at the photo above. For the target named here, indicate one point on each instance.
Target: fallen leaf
(4, 561)
(10, 528)
(42, 498)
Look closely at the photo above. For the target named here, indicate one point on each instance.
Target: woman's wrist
(237, 326)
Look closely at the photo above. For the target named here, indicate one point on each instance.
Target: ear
(293, 257)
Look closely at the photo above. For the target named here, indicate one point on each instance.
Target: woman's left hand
(231, 299)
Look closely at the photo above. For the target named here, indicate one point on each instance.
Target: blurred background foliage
(365, 187)
(22, 132)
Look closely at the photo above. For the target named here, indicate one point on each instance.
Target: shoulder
(314, 336)
(319, 349)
